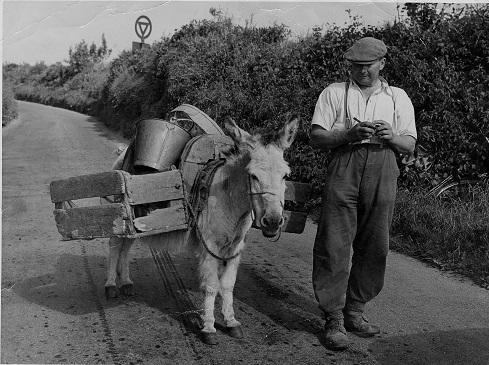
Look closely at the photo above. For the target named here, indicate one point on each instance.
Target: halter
(281, 204)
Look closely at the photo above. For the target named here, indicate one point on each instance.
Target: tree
(82, 56)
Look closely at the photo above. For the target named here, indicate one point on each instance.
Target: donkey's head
(267, 171)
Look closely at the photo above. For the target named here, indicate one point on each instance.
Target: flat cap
(366, 50)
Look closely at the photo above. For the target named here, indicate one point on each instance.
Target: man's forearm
(402, 144)
(327, 140)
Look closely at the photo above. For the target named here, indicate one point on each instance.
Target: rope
(201, 239)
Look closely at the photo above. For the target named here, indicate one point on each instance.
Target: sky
(34, 31)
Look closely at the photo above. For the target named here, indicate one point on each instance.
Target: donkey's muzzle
(270, 226)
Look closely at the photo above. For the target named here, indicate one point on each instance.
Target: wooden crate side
(298, 192)
(87, 186)
(294, 222)
(161, 186)
(89, 222)
(162, 220)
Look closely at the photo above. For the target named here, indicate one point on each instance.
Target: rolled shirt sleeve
(404, 114)
(328, 113)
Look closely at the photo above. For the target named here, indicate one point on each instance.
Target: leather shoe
(335, 335)
(358, 325)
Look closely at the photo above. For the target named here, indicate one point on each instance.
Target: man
(365, 122)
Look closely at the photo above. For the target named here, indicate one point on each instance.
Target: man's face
(367, 75)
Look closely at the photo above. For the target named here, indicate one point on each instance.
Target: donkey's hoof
(210, 338)
(127, 290)
(236, 332)
(110, 292)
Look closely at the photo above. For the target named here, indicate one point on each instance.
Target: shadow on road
(278, 302)
(457, 347)
(69, 291)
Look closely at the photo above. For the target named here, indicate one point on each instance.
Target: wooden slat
(87, 186)
(161, 186)
(298, 192)
(88, 222)
(162, 220)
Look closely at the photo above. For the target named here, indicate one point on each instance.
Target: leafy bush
(9, 105)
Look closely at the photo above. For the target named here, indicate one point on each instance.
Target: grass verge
(448, 234)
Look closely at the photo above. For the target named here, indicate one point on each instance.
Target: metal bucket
(158, 144)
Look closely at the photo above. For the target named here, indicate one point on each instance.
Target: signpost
(143, 30)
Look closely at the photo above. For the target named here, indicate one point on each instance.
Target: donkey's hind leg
(126, 284)
(210, 286)
(228, 279)
(115, 246)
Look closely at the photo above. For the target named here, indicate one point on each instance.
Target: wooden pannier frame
(160, 195)
(143, 205)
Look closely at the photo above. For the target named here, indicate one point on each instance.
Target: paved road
(54, 309)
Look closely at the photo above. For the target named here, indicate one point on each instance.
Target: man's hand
(400, 144)
(383, 130)
(361, 131)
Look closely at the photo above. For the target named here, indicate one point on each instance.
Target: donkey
(249, 186)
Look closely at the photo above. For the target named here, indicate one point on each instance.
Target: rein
(199, 195)
(201, 239)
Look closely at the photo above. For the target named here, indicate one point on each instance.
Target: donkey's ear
(287, 134)
(238, 135)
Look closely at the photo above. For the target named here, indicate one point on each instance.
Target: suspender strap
(348, 123)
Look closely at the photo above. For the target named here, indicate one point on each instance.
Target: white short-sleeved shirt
(388, 103)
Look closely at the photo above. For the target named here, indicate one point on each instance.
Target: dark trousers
(356, 212)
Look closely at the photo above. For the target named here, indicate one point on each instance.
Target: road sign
(143, 27)
(139, 45)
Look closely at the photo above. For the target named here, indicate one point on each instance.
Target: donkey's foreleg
(126, 284)
(228, 279)
(210, 286)
(115, 246)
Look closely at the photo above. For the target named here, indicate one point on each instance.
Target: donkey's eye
(253, 177)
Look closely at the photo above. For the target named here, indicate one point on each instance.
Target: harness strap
(348, 123)
(198, 200)
(201, 186)
(201, 239)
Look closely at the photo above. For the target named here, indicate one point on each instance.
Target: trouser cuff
(338, 314)
(354, 306)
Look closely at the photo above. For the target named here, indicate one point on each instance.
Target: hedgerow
(259, 75)
(9, 105)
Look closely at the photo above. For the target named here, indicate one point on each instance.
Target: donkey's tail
(121, 153)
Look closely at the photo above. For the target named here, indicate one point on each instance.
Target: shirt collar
(383, 85)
